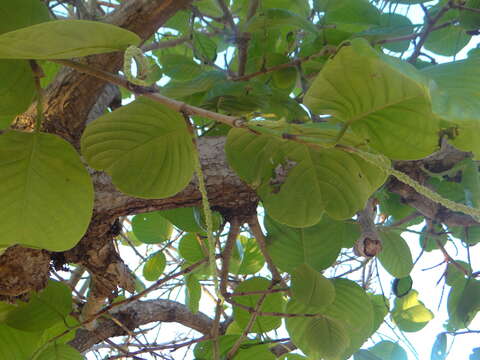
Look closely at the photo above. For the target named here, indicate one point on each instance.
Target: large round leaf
(17, 89)
(154, 266)
(317, 246)
(388, 350)
(144, 146)
(16, 344)
(383, 99)
(454, 97)
(272, 303)
(395, 256)
(319, 337)
(353, 306)
(21, 13)
(46, 197)
(311, 288)
(60, 352)
(48, 307)
(151, 228)
(64, 39)
(449, 40)
(297, 182)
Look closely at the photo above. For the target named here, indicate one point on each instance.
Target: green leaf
(154, 266)
(395, 256)
(449, 40)
(199, 84)
(257, 352)
(454, 274)
(69, 323)
(46, 198)
(353, 306)
(470, 20)
(151, 228)
(317, 246)
(365, 355)
(402, 287)
(410, 314)
(273, 302)
(319, 337)
(471, 183)
(179, 67)
(144, 146)
(199, 216)
(279, 18)
(428, 239)
(383, 99)
(397, 26)
(457, 104)
(469, 302)
(247, 257)
(193, 292)
(203, 350)
(44, 309)
(387, 350)
(17, 89)
(193, 247)
(60, 352)
(311, 288)
(22, 13)
(16, 344)
(297, 182)
(205, 47)
(64, 39)
(5, 308)
(439, 348)
(381, 307)
(182, 218)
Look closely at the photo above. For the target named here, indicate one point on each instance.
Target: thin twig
(227, 253)
(155, 96)
(248, 327)
(262, 244)
(424, 34)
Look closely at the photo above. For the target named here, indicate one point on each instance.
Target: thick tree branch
(138, 313)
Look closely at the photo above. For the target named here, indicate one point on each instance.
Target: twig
(227, 253)
(423, 35)
(147, 92)
(325, 51)
(249, 325)
(258, 234)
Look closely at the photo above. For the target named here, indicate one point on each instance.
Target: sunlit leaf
(151, 228)
(64, 39)
(311, 288)
(144, 146)
(46, 198)
(395, 256)
(154, 266)
(410, 314)
(384, 100)
(44, 309)
(317, 246)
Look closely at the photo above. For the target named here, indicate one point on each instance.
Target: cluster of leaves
(320, 92)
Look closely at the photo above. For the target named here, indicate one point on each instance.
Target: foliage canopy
(331, 118)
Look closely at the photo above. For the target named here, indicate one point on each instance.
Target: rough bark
(135, 314)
